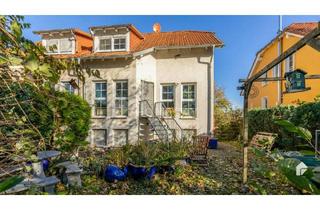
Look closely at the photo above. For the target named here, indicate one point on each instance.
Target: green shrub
(74, 118)
(305, 115)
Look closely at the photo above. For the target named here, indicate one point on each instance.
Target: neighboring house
(152, 85)
(270, 94)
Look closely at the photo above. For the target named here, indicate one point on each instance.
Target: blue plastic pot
(152, 171)
(213, 143)
(45, 164)
(113, 173)
(137, 172)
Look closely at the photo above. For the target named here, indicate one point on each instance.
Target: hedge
(306, 115)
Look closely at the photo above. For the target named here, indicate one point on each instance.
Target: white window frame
(105, 137)
(264, 102)
(112, 37)
(59, 47)
(189, 100)
(121, 98)
(63, 83)
(105, 38)
(100, 98)
(275, 71)
(167, 100)
(287, 63)
(265, 75)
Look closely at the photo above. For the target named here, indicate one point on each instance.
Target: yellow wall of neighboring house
(307, 59)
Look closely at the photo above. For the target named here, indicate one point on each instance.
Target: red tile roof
(178, 38)
(301, 28)
(149, 40)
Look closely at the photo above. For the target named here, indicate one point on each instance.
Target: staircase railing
(146, 110)
(162, 111)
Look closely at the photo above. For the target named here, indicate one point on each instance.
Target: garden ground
(222, 177)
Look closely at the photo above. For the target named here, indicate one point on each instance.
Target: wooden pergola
(312, 39)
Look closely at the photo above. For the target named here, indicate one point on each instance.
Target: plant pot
(136, 172)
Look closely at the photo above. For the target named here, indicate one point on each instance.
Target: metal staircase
(160, 127)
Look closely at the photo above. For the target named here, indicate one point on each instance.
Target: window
(120, 137)
(289, 63)
(188, 134)
(100, 102)
(119, 43)
(52, 45)
(100, 137)
(65, 46)
(264, 103)
(167, 95)
(105, 44)
(68, 87)
(121, 100)
(275, 72)
(265, 75)
(59, 46)
(188, 100)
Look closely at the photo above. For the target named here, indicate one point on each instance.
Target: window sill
(119, 117)
(188, 118)
(99, 117)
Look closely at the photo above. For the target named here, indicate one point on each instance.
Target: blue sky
(243, 37)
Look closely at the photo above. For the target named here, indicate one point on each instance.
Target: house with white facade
(155, 85)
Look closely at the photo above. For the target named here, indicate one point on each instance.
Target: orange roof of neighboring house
(301, 28)
(178, 38)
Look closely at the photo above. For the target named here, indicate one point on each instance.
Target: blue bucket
(213, 143)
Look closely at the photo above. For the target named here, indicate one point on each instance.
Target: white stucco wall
(162, 66)
(187, 66)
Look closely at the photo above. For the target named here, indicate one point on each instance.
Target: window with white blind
(289, 62)
(52, 45)
(188, 100)
(275, 71)
(65, 46)
(100, 137)
(121, 99)
(59, 46)
(264, 102)
(100, 102)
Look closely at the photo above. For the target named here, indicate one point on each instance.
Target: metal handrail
(154, 115)
(171, 117)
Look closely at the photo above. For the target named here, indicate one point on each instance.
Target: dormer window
(119, 43)
(105, 44)
(59, 46)
(111, 43)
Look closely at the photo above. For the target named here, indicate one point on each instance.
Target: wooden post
(245, 133)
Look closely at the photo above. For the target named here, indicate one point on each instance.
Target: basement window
(100, 137)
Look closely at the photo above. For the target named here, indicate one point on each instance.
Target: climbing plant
(32, 116)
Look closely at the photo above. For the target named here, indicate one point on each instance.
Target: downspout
(210, 75)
